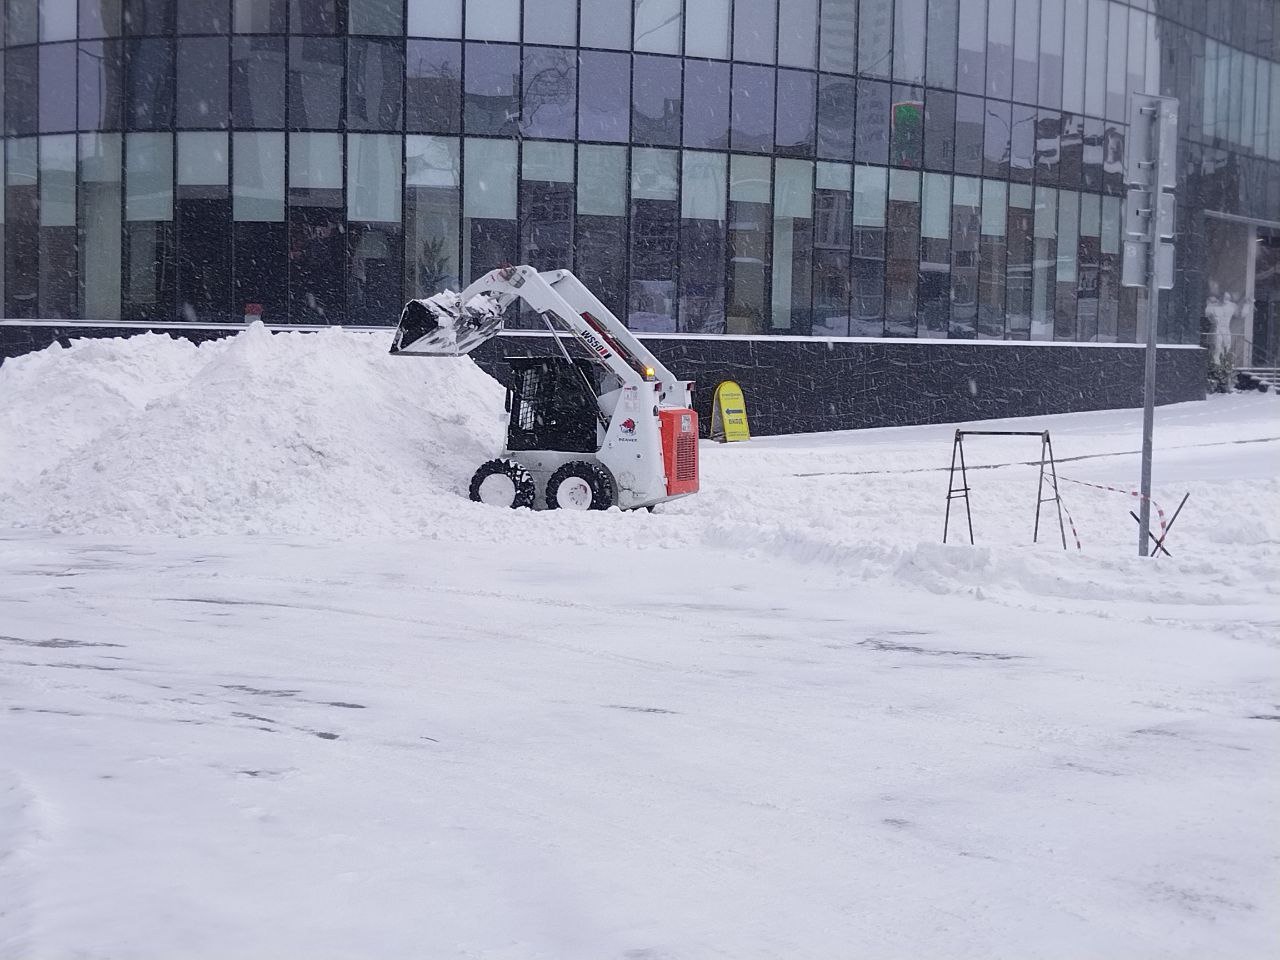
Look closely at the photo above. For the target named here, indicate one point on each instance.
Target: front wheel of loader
(579, 485)
(503, 483)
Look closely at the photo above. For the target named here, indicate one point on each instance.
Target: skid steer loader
(611, 428)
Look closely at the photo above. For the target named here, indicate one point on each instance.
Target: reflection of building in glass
(867, 168)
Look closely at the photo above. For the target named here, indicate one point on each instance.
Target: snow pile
(320, 433)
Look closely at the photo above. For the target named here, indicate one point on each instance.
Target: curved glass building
(929, 169)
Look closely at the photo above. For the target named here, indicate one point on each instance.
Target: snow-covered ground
(271, 687)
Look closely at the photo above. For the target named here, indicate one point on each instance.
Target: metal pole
(1153, 303)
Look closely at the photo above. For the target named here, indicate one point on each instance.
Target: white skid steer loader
(615, 428)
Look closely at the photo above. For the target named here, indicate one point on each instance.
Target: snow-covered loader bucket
(443, 326)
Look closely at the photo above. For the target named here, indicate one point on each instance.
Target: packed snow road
(271, 687)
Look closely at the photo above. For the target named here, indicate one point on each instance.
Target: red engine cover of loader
(680, 450)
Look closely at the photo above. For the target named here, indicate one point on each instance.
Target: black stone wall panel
(796, 386)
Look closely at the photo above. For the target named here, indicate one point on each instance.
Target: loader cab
(552, 404)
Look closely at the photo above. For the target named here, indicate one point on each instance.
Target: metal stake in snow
(1151, 170)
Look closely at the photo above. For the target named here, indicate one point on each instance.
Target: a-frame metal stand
(962, 492)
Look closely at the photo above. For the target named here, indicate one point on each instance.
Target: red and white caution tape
(1127, 493)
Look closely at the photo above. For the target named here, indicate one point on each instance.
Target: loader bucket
(442, 326)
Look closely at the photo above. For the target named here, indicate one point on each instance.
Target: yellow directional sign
(729, 414)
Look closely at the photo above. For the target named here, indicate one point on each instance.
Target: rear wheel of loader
(503, 483)
(579, 485)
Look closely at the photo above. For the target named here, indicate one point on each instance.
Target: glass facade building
(864, 168)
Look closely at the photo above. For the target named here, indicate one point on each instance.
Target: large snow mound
(290, 433)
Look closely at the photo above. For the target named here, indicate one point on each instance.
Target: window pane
(1000, 28)
(1020, 256)
(752, 122)
(755, 30)
(996, 145)
(551, 22)
(1022, 125)
(1089, 267)
(870, 195)
(257, 81)
(257, 177)
(1073, 57)
(1048, 146)
(374, 84)
(1026, 42)
(202, 82)
(149, 176)
(1070, 151)
(970, 63)
(602, 181)
(795, 114)
(1095, 70)
(431, 215)
(970, 124)
(101, 85)
(255, 16)
(941, 36)
(836, 97)
(315, 161)
(966, 205)
(655, 108)
(935, 254)
(706, 104)
(379, 17)
(373, 177)
(1045, 263)
(798, 35)
(435, 18)
(550, 92)
(832, 221)
(57, 87)
(654, 221)
(1117, 55)
(99, 197)
(1051, 27)
(151, 84)
(57, 21)
(902, 253)
(909, 40)
(707, 29)
(606, 23)
(315, 82)
(1064, 320)
(839, 34)
(491, 93)
(202, 159)
(433, 95)
(489, 185)
(875, 38)
(872, 140)
(58, 181)
(202, 16)
(792, 245)
(603, 94)
(601, 246)
(313, 16)
(546, 205)
(658, 25)
(939, 130)
(907, 118)
(750, 229)
(991, 259)
(702, 242)
(98, 18)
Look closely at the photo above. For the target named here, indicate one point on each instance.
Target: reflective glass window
(373, 177)
(489, 205)
(22, 23)
(706, 104)
(795, 123)
(315, 82)
(315, 161)
(493, 19)
(546, 204)
(1109, 271)
(99, 200)
(1048, 146)
(934, 296)
(148, 17)
(436, 18)
(550, 92)
(654, 221)
(755, 24)
(991, 260)
(832, 234)
(313, 16)
(909, 40)
(792, 285)
(902, 253)
(940, 130)
(1095, 70)
(1092, 150)
(1022, 149)
(655, 105)
(966, 207)
(149, 176)
(257, 177)
(57, 22)
(870, 199)
(101, 85)
(1000, 27)
(798, 34)
(433, 86)
(940, 35)
(750, 231)
(871, 142)
(202, 16)
(606, 23)
(836, 98)
(99, 18)
(706, 29)
(1050, 68)
(970, 133)
(378, 17)
(702, 241)
(1089, 267)
(1117, 58)
(257, 81)
(971, 59)
(1026, 45)
(838, 35)
(57, 87)
(658, 24)
(1044, 267)
(604, 91)
(1020, 257)
(996, 143)
(433, 180)
(906, 148)
(1070, 151)
(57, 281)
(875, 38)
(22, 227)
(375, 79)
(202, 82)
(752, 121)
(601, 226)
(1073, 37)
(151, 75)
(58, 181)
(203, 159)
(257, 16)
(552, 22)
(491, 89)
(1064, 317)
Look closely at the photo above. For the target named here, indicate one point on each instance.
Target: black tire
(524, 491)
(595, 477)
